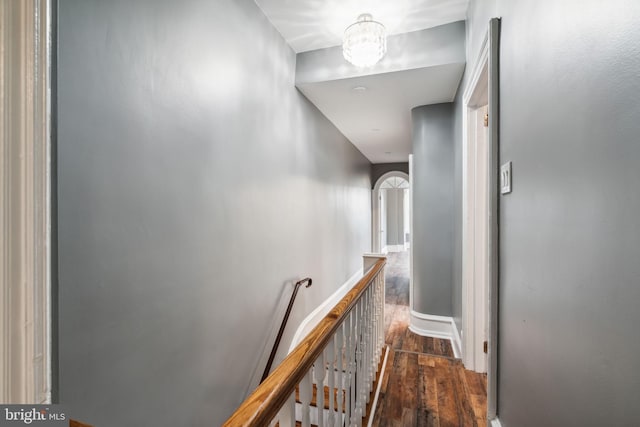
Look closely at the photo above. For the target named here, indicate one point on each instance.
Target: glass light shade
(364, 42)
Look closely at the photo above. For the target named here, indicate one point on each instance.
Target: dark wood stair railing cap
(266, 400)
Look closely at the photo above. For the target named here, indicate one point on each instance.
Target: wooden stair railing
(346, 344)
(274, 349)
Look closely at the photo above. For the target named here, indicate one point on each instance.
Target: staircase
(342, 356)
(333, 411)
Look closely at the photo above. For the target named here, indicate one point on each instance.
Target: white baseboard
(325, 307)
(430, 325)
(456, 340)
(385, 250)
(495, 423)
(395, 248)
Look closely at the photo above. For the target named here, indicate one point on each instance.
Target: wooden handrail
(274, 349)
(264, 403)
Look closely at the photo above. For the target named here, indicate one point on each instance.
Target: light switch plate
(505, 178)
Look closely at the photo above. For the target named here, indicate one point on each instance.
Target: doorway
(480, 164)
(394, 196)
(475, 233)
(391, 225)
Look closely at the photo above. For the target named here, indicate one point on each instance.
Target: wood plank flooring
(424, 390)
(423, 385)
(397, 333)
(399, 337)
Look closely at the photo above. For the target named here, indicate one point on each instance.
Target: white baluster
(380, 311)
(330, 356)
(365, 351)
(287, 414)
(383, 291)
(373, 331)
(374, 321)
(351, 366)
(370, 346)
(374, 334)
(305, 399)
(380, 287)
(356, 418)
(291, 404)
(319, 372)
(340, 358)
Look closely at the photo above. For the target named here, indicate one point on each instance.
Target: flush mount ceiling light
(364, 42)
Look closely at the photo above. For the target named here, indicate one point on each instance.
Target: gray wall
(433, 197)
(195, 183)
(395, 216)
(570, 235)
(379, 169)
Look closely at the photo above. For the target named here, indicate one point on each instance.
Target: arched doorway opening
(391, 213)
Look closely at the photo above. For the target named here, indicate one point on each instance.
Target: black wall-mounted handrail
(283, 325)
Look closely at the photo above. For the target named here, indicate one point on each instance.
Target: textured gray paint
(379, 169)
(569, 236)
(432, 250)
(194, 183)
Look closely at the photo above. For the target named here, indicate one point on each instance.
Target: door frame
(26, 248)
(484, 75)
(475, 230)
(376, 244)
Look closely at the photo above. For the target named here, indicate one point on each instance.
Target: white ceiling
(378, 120)
(316, 24)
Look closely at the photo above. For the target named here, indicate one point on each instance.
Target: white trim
(483, 58)
(369, 260)
(380, 378)
(376, 212)
(25, 205)
(310, 322)
(456, 342)
(495, 422)
(394, 248)
(411, 233)
(474, 288)
(486, 67)
(431, 325)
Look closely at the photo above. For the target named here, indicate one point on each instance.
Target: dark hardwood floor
(423, 390)
(423, 384)
(397, 333)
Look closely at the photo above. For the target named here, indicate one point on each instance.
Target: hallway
(423, 384)
(170, 168)
(398, 336)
